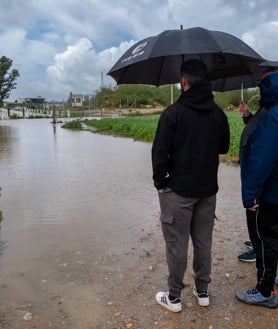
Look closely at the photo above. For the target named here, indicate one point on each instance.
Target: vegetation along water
(142, 127)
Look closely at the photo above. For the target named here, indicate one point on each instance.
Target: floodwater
(72, 202)
(80, 240)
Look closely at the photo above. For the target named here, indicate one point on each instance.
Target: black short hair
(194, 70)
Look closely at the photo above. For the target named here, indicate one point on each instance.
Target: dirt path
(130, 298)
(128, 281)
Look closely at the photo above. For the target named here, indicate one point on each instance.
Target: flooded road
(80, 240)
(71, 203)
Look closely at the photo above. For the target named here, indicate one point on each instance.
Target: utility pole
(101, 79)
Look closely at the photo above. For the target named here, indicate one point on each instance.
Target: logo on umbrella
(139, 48)
(138, 51)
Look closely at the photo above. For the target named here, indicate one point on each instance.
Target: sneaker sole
(169, 307)
(247, 260)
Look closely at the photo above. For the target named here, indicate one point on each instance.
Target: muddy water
(81, 246)
(72, 202)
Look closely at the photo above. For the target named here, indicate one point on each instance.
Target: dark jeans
(263, 231)
(182, 218)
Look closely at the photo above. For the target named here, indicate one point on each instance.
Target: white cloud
(62, 46)
(263, 39)
(80, 69)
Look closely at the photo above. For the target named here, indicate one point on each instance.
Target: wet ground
(81, 245)
(115, 290)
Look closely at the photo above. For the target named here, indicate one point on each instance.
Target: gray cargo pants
(182, 217)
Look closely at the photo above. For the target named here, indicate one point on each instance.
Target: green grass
(143, 128)
(138, 127)
(74, 125)
(236, 127)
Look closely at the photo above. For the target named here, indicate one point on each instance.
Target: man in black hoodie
(190, 135)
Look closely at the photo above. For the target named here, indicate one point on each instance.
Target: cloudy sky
(63, 46)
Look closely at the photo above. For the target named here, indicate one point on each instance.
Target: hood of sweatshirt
(198, 98)
(269, 90)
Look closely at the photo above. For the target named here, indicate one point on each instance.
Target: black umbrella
(156, 60)
(244, 81)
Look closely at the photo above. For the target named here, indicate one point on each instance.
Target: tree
(7, 78)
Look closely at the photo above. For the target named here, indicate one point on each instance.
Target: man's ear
(184, 84)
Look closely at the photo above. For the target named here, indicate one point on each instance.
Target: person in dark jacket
(259, 177)
(191, 133)
(250, 121)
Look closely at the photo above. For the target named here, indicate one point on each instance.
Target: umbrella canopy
(156, 60)
(244, 81)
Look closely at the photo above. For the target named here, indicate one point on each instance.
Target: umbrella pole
(241, 97)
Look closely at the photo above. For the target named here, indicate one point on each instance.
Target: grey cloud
(110, 27)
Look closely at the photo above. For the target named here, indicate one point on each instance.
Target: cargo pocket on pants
(168, 229)
(166, 219)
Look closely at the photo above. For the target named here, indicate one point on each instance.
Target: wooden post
(54, 113)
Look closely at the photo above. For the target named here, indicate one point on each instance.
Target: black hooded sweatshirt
(191, 133)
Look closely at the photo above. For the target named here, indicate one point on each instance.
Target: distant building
(76, 100)
(31, 102)
(35, 100)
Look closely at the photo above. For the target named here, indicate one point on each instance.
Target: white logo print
(139, 48)
(137, 51)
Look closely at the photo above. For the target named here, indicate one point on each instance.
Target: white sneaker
(202, 297)
(163, 299)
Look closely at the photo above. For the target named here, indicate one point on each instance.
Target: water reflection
(72, 201)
